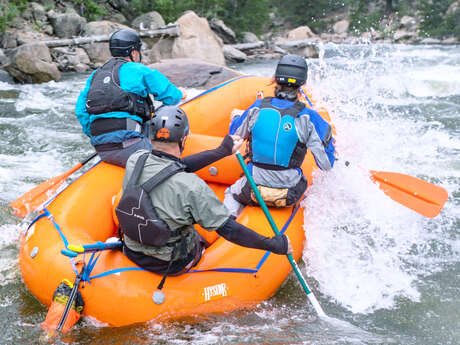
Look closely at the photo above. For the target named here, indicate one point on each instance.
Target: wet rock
(32, 63)
(66, 25)
(223, 31)
(234, 55)
(151, 20)
(193, 72)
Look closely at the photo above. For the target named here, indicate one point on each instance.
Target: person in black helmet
(170, 245)
(280, 130)
(114, 107)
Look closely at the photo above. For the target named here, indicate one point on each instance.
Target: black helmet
(292, 70)
(170, 124)
(123, 42)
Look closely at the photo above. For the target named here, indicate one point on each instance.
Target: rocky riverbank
(193, 51)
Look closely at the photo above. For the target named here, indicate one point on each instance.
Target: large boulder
(99, 52)
(148, 21)
(32, 63)
(197, 40)
(68, 24)
(193, 73)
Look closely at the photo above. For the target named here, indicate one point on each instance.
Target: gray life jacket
(136, 215)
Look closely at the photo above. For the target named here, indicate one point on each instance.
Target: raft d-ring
(213, 171)
(158, 297)
(34, 252)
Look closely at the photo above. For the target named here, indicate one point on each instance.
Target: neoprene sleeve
(239, 234)
(200, 160)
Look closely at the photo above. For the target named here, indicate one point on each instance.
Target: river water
(389, 274)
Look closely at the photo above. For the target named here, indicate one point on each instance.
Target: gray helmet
(292, 70)
(170, 124)
(123, 42)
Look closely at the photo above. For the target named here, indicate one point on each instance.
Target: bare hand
(184, 93)
(290, 250)
(237, 142)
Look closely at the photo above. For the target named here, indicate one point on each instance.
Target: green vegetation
(89, 9)
(9, 10)
(435, 23)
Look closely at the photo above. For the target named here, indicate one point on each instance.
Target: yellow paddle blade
(39, 194)
(418, 195)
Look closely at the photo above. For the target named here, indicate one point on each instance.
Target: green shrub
(9, 10)
(89, 9)
(434, 21)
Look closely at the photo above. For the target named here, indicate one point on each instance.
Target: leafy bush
(89, 9)
(434, 22)
(9, 10)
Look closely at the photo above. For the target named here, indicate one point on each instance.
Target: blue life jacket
(275, 144)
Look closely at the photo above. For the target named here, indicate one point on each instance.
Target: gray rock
(38, 12)
(193, 72)
(3, 58)
(32, 63)
(450, 40)
(249, 37)
(233, 54)
(67, 25)
(403, 35)
(8, 40)
(223, 31)
(70, 59)
(430, 40)
(148, 21)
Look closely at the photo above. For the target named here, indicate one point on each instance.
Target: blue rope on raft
(306, 97)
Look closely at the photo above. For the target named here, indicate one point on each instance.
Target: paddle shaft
(296, 269)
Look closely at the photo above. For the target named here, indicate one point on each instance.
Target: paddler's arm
(239, 234)
(229, 145)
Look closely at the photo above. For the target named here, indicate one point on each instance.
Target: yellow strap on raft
(76, 248)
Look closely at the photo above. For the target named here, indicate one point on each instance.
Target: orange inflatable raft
(116, 291)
